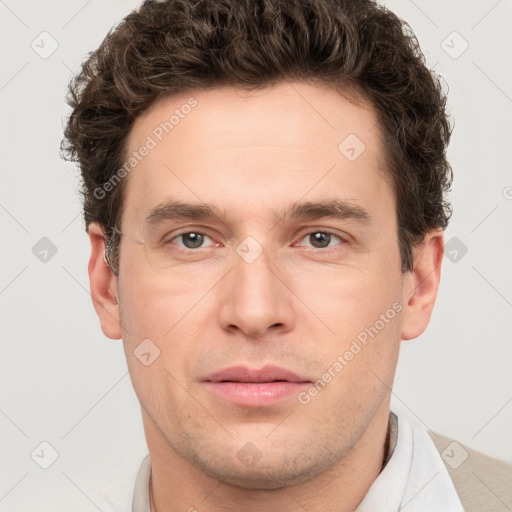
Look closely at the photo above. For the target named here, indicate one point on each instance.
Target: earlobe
(422, 284)
(103, 284)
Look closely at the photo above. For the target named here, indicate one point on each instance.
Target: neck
(178, 485)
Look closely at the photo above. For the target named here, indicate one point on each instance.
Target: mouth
(255, 387)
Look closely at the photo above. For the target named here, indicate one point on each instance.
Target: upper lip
(267, 373)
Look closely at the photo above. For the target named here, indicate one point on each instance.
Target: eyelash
(340, 238)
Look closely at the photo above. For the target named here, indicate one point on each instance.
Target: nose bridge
(255, 298)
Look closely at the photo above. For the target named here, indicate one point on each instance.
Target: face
(260, 258)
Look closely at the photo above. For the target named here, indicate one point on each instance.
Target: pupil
(192, 240)
(320, 240)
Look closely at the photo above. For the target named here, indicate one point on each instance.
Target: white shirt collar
(414, 479)
(140, 501)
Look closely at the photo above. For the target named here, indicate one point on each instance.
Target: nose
(256, 298)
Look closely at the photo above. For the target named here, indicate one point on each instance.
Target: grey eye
(191, 240)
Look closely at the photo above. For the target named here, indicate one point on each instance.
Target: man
(264, 195)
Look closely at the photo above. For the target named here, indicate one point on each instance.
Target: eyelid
(307, 230)
(171, 234)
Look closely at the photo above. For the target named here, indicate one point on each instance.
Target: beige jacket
(482, 483)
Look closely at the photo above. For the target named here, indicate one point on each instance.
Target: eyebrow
(335, 208)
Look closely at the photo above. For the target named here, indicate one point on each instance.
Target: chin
(269, 475)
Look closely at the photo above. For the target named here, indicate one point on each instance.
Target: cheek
(151, 303)
(171, 316)
(361, 305)
(349, 298)
(156, 351)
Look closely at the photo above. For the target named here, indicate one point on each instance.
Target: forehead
(262, 149)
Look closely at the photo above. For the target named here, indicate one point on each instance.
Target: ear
(103, 283)
(421, 284)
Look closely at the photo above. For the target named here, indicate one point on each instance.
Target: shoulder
(482, 483)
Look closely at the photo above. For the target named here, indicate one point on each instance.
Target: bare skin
(315, 285)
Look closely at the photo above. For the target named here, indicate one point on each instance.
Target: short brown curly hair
(173, 46)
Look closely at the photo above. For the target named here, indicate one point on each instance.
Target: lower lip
(253, 394)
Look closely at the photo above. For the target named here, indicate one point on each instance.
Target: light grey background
(64, 383)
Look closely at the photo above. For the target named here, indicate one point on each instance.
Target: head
(263, 184)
